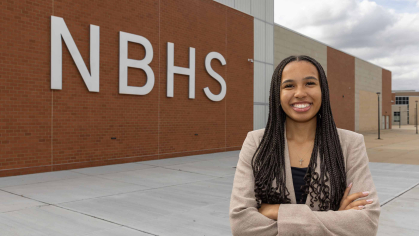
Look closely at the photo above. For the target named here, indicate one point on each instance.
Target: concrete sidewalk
(182, 196)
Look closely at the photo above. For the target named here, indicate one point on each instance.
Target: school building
(88, 83)
(404, 107)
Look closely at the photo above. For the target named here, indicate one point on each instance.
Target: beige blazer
(301, 219)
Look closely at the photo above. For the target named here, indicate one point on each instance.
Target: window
(402, 100)
(396, 116)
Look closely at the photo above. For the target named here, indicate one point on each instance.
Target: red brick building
(44, 129)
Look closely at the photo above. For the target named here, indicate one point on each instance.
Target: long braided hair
(268, 162)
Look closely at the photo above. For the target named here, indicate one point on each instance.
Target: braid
(268, 162)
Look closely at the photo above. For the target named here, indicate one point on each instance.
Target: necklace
(301, 159)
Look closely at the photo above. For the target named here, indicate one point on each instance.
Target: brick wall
(341, 80)
(47, 130)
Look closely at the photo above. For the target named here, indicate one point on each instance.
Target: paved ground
(183, 196)
(394, 146)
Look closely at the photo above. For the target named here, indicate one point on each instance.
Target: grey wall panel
(257, 9)
(269, 45)
(368, 81)
(259, 82)
(259, 40)
(243, 6)
(269, 11)
(229, 3)
(259, 117)
(269, 69)
(287, 42)
(263, 12)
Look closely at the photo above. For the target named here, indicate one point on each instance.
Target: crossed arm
(299, 219)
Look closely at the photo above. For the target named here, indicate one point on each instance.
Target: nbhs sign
(91, 79)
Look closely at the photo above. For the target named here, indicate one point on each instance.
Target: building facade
(105, 120)
(404, 107)
(353, 82)
(87, 83)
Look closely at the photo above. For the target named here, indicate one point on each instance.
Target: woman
(301, 138)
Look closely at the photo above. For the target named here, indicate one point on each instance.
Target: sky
(383, 32)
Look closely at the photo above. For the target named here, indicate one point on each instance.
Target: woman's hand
(347, 201)
(269, 210)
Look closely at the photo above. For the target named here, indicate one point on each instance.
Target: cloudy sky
(383, 32)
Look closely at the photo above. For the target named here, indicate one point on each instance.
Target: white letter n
(59, 29)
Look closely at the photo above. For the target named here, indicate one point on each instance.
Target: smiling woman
(300, 90)
(301, 157)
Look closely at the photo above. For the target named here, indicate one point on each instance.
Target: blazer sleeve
(294, 218)
(245, 219)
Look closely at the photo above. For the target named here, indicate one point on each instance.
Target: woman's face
(300, 93)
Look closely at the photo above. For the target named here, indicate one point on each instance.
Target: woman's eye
(289, 85)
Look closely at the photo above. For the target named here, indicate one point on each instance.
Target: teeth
(301, 105)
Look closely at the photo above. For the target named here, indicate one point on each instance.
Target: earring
(320, 116)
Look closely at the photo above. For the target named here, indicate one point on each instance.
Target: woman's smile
(301, 107)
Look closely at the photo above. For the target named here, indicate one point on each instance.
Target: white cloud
(364, 29)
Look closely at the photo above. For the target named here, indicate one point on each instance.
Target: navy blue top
(298, 181)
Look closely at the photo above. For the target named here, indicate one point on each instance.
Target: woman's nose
(300, 92)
